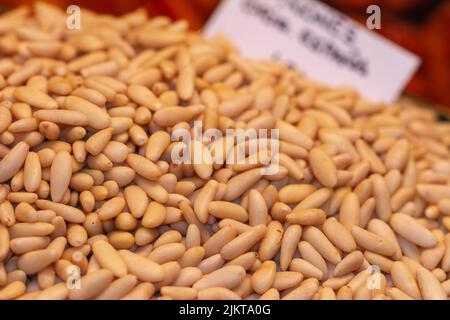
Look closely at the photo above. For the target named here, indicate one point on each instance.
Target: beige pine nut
(223, 209)
(56, 292)
(404, 280)
(35, 261)
(109, 258)
(295, 192)
(118, 288)
(98, 141)
(91, 285)
(349, 212)
(61, 173)
(216, 242)
(433, 193)
(271, 242)
(308, 217)
(401, 197)
(25, 213)
(305, 268)
(97, 117)
(144, 269)
(292, 135)
(291, 166)
(169, 116)
(32, 172)
(142, 291)
(91, 122)
(203, 200)
(430, 287)
(314, 200)
(257, 208)
(366, 211)
(46, 278)
(12, 290)
(236, 105)
(31, 229)
(340, 236)
(243, 242)
(167, 252)
(344, 293)
(397, 294)
(286, 280)
(412, 231)
(217, 293)
(289, 244)
(382, 229)
(381, 195)
(23, 74)
(350, 263)
(187, 277)
(327, 294)
(227, 277)
(26, 244)
(192, 257)
(321, 243)
(237, 185)
(154, 215)
(366, 153)
(323, 167)
(373, 242)
(444, 206)
(4, 243)
(68, 213)
(143, 166)
(247, 260)
(34, 98)
(397, 156)
(264, 277)
(305, 291)
(193, 237)
(76, 235)
(13, 161)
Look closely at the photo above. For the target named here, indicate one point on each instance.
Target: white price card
(318, 40)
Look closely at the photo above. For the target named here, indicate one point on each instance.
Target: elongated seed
(243, 242)
(60, 175)
(412, 231)
(109, 258)
(13, 161)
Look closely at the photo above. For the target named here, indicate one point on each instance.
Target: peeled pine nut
(323, 167)
(373, 242)
(320, 242)
(34, 98)
(91, 285)
(307, 269)
(226, 277)
(429, 286)
(61, 173)
(290, 238)
(412, 231)
(90, 190)
(308, 217)
(144, 269)
(13, 161)
(109, 258)
(243, 242)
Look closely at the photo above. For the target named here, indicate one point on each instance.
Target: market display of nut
(101, 198)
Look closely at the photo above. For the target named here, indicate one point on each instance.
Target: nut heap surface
(94, 205)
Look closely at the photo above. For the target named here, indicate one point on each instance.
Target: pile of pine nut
(93, 207)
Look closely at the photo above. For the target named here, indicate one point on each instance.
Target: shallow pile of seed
(87, 181)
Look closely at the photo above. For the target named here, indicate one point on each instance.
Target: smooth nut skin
(109, 190)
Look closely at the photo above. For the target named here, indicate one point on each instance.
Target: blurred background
(421, 26)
